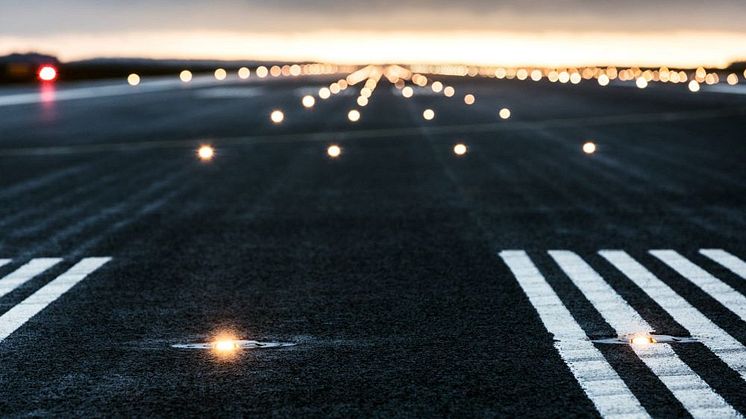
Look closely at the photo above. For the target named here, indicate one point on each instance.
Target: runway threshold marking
(600, 382)
(722, 344)
(25, 273)
(729, 261)
(717, 289)
(697, 397)
(39, 300)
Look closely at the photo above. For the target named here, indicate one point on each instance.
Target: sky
(494, 32)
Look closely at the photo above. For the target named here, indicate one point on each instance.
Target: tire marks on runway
(697, 396)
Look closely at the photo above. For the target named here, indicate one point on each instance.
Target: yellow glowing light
(325, 93)
(185, 76)
(460, 149)
(694, 86)
(334, 151)
(262, 72)
(353, 115)
(641, 82)
(277, 116)
(504, 113)
(220, 74)
(205, 153)
(244, 73)
(603, 80)
(407, 92)
(133, 79)
(308, 101)
(589, 148)
(225, 346)
(428, 114)
(732, 79)
(642, 340)
(437, 87)
(334, 88)
(362, 101)
(449, 91)
(469, 99)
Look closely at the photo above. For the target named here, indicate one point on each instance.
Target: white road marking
(38, 301)
(4, 262)
(723, 345)
(731, 262)
(23, 274)
(717, 289)
(697, 397)
(596, 377)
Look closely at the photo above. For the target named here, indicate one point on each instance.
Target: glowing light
(694, 86)
(220, 74)
(325, 93)
(133, 79)
(407, 92)
(262, 72)
(536, 75)
(575, 78)
(353, 115)
(641, 82)
(437, 87)
(428, 114)
(460, 149)
(469, 99)
(362, 101)
(589, 148)
(449, 91)
(308, 101)
(504, 113)
(47, 73)
(244, 73)
(642, 340)
(205, 153)
(732, 79)
(603, 80)
(277, 116)
(334, 151)
(185, 76)
(225, 346)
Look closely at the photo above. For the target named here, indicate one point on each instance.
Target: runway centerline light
(334, 151)
(277, 116)
(589, 147)
(504, 113)
(642, 340)
(133, 79)
(308, 101)
(47, 73)
(460, 149)
(206, 153)
(185, 76)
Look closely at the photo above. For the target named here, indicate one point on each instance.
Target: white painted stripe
(38, 301)
(4, 262)
(23, 274)
(727, 348)
(719, 290)
(733, 263)
(697, 397)
(596, 377)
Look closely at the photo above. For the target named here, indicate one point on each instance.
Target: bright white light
(469, 99)
(47, 73)
(362, 101)
(642, 340)
(308, 101)
(694, 86)
(504, 113)
(603, 80)
(589, 147)
(325, 93)
(334, 151)
(206, 153)
(428, 114)
(244, 73)
(407, 92)
(459, 149)
(449, 91)
(353, 115)
(641, 82)
(220, 74)
(262, 72)
(133, 79)
(277, 116)
(185, 76)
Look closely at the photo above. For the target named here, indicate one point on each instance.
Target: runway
(396, 279)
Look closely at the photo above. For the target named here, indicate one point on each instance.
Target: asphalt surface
(382, 266)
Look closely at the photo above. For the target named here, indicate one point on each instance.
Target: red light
(47, 73)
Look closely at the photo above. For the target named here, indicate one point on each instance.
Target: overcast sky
(530, 31)
(28, 17)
